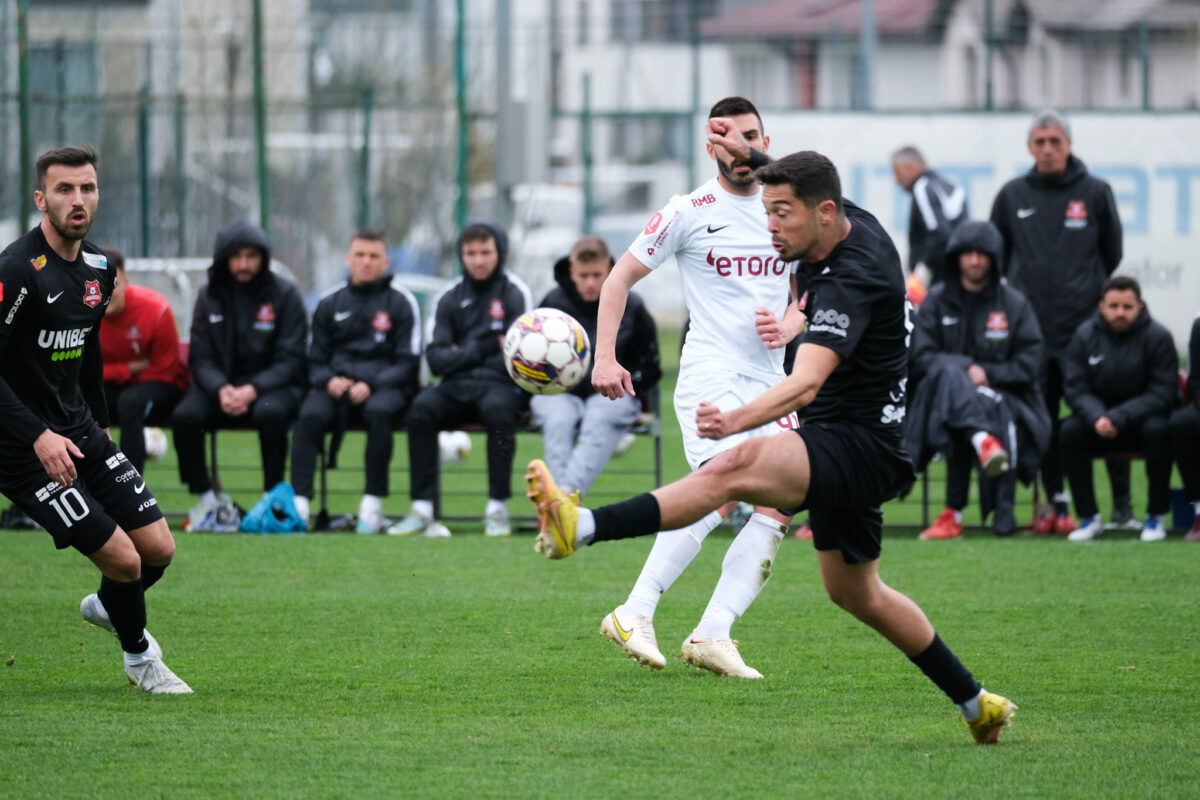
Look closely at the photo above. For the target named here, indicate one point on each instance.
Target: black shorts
(852, 472)
(107, 492)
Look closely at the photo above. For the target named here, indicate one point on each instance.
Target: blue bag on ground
(275, 513)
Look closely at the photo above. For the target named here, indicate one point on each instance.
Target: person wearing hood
(363, 364)
(1120, 376)
(1062, 239)
(975, 356)
(581, 428)
(464, 346)
(247, 360)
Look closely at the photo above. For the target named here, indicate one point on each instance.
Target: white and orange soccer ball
(546, 351)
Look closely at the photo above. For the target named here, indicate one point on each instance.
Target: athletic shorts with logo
(727, 390)
(852, 472)
(107, 492)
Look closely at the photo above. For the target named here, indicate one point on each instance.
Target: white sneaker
(497, 524)
(93, 611)
(634, 635)
(717, 655)
(624, 445)
(413, 523)
(1154, 530)
(1090, 529)
(155, 677)
(436, 530)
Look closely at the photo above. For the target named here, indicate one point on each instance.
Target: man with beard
(60, 466)
(849, 379)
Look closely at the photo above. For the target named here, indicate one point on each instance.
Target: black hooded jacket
(247, 333)
(995, 329)
(637, 337)
(1062, 238)
(1126, 377)
(470, 318)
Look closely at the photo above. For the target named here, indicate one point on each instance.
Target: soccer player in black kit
(849, 380)
(59, 464)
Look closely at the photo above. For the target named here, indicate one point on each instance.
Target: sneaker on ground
(624, 445)
(1090, 529)
(1155, 529)
(496, 524)
(1043, 521)
(1193, 534)
(944, 527)
(367, 525)
(717, 655)
(1123, 519)
(201, 517)
(413, 523)
(634, 633)
(1065, 523)
(993, 457)
(558, 517)
(436, 530)
(94, 612)
(995, 712)
(155, 677)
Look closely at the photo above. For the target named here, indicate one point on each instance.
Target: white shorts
(727, 390)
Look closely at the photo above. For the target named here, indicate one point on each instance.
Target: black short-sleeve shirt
(857, 307)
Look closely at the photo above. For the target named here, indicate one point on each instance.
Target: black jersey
(857, 308)
(51, 370)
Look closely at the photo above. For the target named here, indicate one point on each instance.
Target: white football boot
(717, 655)
(634, 633)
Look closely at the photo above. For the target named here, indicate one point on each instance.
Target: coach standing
(1062, 239)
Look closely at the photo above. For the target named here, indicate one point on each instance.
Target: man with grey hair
(1062, 239)
(937, 208)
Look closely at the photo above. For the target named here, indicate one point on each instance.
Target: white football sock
(369, 509)
(495, 506)
(977, 441)
(958, 516)
(209, 498)
(585, 528)
(302, 507)
(423, 509)
(970, 709)
(672, 552)
(744, 573)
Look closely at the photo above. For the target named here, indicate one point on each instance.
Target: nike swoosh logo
(215, 318)
(50, 298)
(141, 487)
(624, 634)
(825, 271)
(711, 229)
(949, 320)
(1022, 213)
(1094, 360)
(464, 304)
(341, 316)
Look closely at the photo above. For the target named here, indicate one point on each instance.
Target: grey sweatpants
(580, 435)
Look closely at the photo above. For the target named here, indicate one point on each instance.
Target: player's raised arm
(608, 377)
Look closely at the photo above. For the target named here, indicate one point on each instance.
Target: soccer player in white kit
(736, 289)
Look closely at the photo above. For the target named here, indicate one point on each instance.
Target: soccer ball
(454, 446)
(156, 443)
(546, 351)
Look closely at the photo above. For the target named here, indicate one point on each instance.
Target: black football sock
(637, 516)
(126, 607)
(943, 668)
(151, 574)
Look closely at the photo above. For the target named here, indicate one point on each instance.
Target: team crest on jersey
(96, 260)
(497, 309)
(38, 262)
(383, 322)
(91, 294)
(1076, 214)
(264, 319)
(997, 325)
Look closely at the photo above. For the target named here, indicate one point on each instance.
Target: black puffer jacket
(369, 333)
(1062, 238)
(1126, 377)
(637, 337)
(470, 318)
(247, 332)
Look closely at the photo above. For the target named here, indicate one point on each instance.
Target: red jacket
(144, 329)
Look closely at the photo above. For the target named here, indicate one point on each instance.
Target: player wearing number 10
(57, 461)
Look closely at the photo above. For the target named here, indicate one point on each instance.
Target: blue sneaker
(1154, 530)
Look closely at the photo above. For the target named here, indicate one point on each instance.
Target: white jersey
(728, 268)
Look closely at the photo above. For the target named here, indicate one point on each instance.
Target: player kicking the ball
(59, 464)
(849, 378)
(736, 289)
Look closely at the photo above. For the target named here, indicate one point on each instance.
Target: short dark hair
(370, 235)
(735, 106)
(589, 249)
(115, 257)
(1122, 283)
(66, 156)
(813, 177)
(478, 232)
